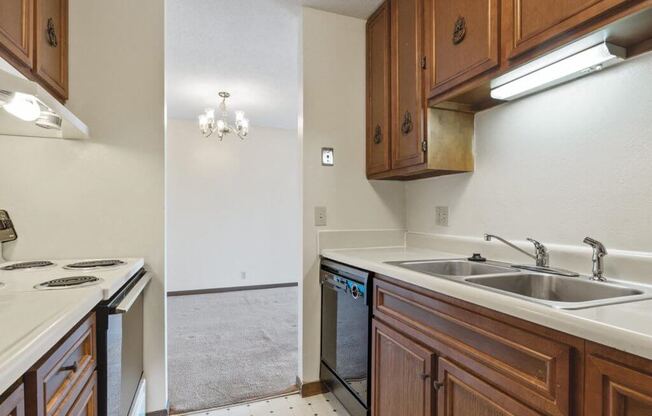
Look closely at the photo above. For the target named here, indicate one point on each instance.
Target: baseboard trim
(229, 289)
(163, 412)
(312, 389)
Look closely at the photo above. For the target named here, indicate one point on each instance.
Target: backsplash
(557, 166)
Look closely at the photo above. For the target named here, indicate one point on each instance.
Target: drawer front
(86, 404)
(463, 36)
(58, 380)
(13, 404)
(529, 367)
(537, 21)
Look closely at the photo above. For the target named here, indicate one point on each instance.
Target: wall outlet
(441, 216)
(327, 156)
(243, 275)
(321, 218)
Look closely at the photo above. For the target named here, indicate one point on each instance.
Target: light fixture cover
(563, 70)
(23, 106)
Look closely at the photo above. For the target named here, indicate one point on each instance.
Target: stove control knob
(355, 292)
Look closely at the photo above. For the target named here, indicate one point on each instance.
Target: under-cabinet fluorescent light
(582, 63)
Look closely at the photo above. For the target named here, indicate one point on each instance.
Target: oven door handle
(134, 293)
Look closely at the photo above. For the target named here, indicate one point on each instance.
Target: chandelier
(209, 125)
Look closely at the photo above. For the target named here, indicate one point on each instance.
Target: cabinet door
(408, 101)
(462, 39)
(16, 23)
(616, 388)
(460, 393)
(401, 375)
(378, 92)
(13, 404)
(537, 21)
(51, 43)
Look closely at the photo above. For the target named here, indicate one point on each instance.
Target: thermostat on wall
(327, 156)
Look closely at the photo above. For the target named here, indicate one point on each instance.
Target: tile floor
(293, 405)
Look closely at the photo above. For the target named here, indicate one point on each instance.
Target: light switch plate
(327, 156)
(320, 216)
(441, 214)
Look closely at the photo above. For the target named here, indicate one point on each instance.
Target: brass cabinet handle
(52, 34)
(378, 134)
(437, 385)
(459, 31)
(74, 367)
(406, 126)
(424, 376)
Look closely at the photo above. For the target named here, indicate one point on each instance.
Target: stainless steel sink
(559, 291)
(453, 268)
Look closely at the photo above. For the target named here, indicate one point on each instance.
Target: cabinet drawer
(86, 404)
(532, 368)
(463, 40)
(13, 402)
(56, 382)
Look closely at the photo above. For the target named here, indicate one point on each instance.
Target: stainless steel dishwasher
(345, 334)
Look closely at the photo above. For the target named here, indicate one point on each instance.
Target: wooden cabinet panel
(463, 394)
(527, 365)
(617, 384)
(408, 101)
(54, 384)
(13, 403)
(51, 44)
(378, 92)
(86, 404)
(462, 39)
(402, 375)
(536, 21)
(16, 24)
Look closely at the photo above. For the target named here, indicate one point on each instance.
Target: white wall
(232, 207)
(102, 197)
(557, 166)
(333, 71)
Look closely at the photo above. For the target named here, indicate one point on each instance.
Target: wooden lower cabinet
(617, 384)
(86, 404)
(463, 394)
(12, 403)
(402, 375)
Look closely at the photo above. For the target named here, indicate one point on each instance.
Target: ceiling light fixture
(209, 125)
(579, 64)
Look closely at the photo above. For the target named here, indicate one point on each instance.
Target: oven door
(120, 348)
(345, 331)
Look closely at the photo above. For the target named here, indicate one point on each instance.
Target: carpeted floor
(226, 348)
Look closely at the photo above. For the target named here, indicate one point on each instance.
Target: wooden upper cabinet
(536, 21)
(51, 43)
(16, 26)
(402, 375)
(617, 384)
(378, 92)
(13, 403)
(462, 38)
(408, 101)
(460, 393)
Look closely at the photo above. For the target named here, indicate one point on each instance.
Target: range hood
(23, 96)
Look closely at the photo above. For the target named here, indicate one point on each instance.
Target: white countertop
(624, 326)
(32, 321)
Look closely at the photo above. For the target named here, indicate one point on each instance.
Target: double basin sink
(556, 291)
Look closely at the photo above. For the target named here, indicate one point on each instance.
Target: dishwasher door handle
(134, 293)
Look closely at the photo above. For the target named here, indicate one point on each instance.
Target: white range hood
(13, 81)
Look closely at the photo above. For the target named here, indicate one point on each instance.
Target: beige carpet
(226, 348)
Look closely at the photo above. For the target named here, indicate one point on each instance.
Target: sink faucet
(540, 252)
(599, 251)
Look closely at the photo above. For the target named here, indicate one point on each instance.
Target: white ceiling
(246, 47)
